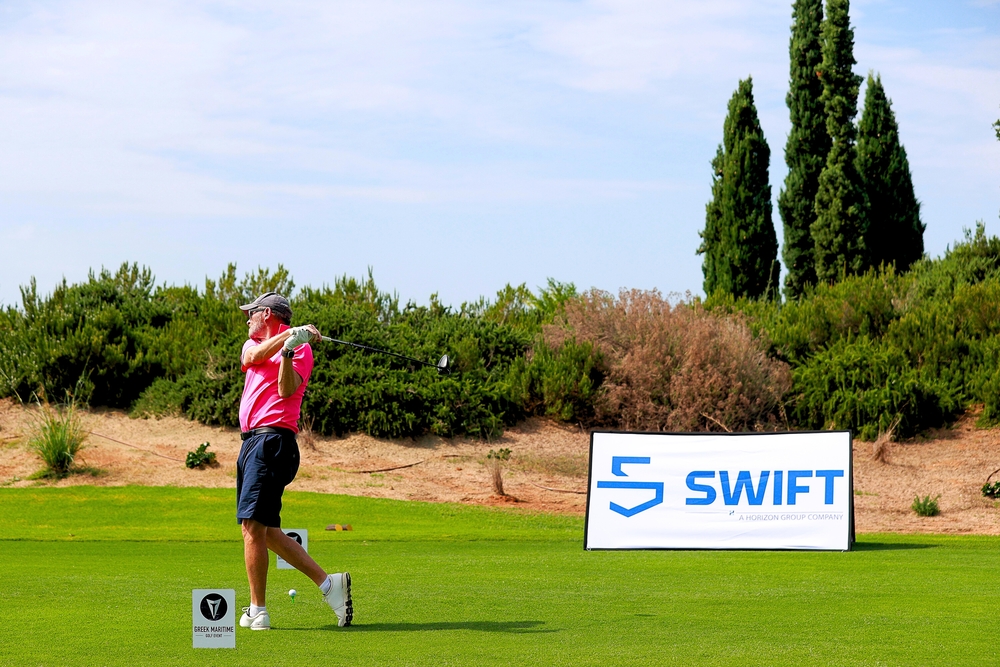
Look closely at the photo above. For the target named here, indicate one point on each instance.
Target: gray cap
(277, 303)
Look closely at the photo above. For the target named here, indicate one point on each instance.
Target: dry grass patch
(569, 465)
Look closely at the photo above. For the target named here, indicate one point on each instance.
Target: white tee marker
(213, 618)
(300, 535)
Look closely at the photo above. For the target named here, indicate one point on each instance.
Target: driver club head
(442, 365)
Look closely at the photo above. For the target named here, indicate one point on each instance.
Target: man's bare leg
(294, 555)
(255, 554)
(336, 589)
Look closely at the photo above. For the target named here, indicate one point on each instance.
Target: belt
(261, 430)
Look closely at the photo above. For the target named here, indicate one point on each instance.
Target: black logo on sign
(296, 537)
(213, 606)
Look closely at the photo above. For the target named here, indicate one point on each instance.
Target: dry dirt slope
(550, 462)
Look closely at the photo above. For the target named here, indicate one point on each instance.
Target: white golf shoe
(259, 622)
(339, 598)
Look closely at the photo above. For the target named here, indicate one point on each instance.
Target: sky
(450, 146)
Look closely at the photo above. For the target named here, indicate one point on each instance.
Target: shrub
(521, 309)
(351, 390)
(57, 437)
(674, 367)
(88, 339)
(870, 351)
(559, 381)
(974, 260)
(387, 397)
(927, 506)
(916, 348)
(868, 386)
(725, 377)
(980, 377)
(496, 461)
(880, 448)
(211, 396)
(861, 305)
(200, 457)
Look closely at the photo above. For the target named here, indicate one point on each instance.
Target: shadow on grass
(890, 546)
(510, 627)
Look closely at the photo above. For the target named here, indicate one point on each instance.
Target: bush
(384, 396)
(926, 507)
(57, 437)
(674, 367)
(89, 340)
(861, 305)
(351, 390)
(496, 461)
(559, 380)
(210, 395)
(882, 348)
(200, 457)
(974, 260)
(869, 387)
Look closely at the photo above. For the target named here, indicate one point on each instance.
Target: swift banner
(720, 491)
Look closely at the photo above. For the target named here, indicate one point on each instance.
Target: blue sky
(451, 146)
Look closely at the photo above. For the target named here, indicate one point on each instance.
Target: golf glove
(300, 336)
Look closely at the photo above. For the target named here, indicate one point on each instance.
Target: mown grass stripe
(196, 514)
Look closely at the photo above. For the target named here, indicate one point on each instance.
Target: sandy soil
(548, 471)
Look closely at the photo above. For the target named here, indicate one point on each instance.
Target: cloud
(634, 45)
(944, 99)
(396, 116)
(186, 107)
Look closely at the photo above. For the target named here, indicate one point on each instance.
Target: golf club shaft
(375, 349)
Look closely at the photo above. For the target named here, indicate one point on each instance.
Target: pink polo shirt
(260, 404)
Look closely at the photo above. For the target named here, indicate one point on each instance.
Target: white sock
(254, 609)
(325, 587)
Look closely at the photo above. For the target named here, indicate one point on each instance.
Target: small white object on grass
(292, 594)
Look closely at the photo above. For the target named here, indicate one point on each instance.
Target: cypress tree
(895, 233)
(807, 147)
(739, 244)
(714, 264)
(841, 205)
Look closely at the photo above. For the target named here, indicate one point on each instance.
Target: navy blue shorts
(268, 463)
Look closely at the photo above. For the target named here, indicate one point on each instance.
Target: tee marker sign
(300, 535)
(213, 618)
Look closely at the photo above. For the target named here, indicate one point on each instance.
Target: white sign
(300, 535)
(720, 491)
(213, 617)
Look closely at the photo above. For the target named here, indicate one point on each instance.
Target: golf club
(441, 365)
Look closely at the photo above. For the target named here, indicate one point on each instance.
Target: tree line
(847, 204)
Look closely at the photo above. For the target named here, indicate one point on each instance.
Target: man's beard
(256, 329)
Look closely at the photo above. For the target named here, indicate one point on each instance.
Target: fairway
(103, 576)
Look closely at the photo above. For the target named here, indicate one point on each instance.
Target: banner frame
(851, 538)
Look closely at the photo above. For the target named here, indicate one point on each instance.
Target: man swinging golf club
(277, 360)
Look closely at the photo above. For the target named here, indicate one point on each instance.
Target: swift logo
(616, 469)
(732, 492)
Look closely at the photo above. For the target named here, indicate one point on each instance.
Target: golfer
(277, 361)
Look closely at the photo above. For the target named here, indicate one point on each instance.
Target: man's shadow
(510, 627)
(890, 546)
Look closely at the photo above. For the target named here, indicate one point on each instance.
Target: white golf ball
(291, 593)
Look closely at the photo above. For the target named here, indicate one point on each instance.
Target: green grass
(99, 576)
